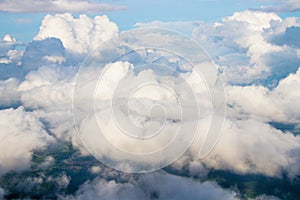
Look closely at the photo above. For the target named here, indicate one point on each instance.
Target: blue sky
(24, 26)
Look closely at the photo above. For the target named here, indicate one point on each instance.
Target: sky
(95, 102)
(24, 24)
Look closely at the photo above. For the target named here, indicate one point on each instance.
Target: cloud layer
(147, 187)
(60, 6)
(257, 53)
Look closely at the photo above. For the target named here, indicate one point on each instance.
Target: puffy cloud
(10, 57)
(53, 84)
(238, 43)
(248, 46)
(78, 35)
(134, 108)
(246, 146)
(95, 169)
(21, 133)
(242, 44)
(60, 6)
(147, 187)
(48, 92)
(248, 140)
(279, 104)
(8, 38)
(9, 94)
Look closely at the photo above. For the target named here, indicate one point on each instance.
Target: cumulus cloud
(9, 93)
(146, 187)
(246, 146)
(279, 104)
(53, 81)
(10, 57)
(21, 133)
(48, 91)
(138, 112)
(60, 6)
(237, 43)
(248, 140)
(249, 46)
(242, 44)
(78, 35)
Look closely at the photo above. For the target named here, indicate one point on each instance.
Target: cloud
(21, 133)
(288, 37)
(279, 104)
(78, 35)
(48, 92)
(185, 27)
(246, 146)
(41, 53)
(247, 46)
(9, 94)
(10, 57)
(23, 20)
(241, 44)
(248, 139)
(282, 6)
(52, 82)
(2, 192)
(146, 187)
(56, 6)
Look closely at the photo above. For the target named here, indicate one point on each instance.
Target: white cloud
(9, 95)
(48, 91)
(279, 104)
(21, 133)
(153, 186)
(95, 169)
(237, 43)
(245, 45)
(176, 111)
(241, 33)
(10, 57)
(248, 140)
(246, 146)
(8, 38)
(55, 59)
(56, 6)
(78, 35)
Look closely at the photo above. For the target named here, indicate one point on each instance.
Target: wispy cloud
(23, 21)
(56, 6)
(283, 6)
